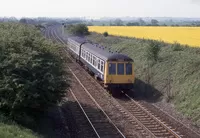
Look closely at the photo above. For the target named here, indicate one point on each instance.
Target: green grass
(177, 66)
(9, 129)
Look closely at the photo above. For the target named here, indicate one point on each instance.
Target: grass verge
(176, 74)
(9, 129)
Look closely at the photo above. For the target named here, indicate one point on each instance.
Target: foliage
(133, 24)
(177, 47)
(153, 50)
(176, 71)
(10, 129)
(78, 29)
(105, 34)
(142, 22)
(154, 22)
(118, 22)
(22, 20)
(32, 73)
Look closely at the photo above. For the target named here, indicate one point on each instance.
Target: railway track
(152, 123)
(148, 125)
(101, 124)
(143, 120)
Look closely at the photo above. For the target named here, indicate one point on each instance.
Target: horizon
(96, 18)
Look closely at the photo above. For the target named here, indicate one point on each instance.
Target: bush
(78, 29)
(105, 34)
(177, 47)
(32, 73)
(153, 50)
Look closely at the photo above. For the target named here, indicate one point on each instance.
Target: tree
(78, 29)
(133, 24)
(32, 76)
(118, 22)
(153, 50)
(105, 34)
(154, 22)
(23, 20)
(142, 22)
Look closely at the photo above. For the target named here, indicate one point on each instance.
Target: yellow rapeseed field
(182, 35)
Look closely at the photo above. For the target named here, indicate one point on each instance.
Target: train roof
(100, 51)
(78, 39)
(103, 53)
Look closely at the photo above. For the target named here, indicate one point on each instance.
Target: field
(183, 35)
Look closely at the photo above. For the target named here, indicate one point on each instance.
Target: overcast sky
(100, 8)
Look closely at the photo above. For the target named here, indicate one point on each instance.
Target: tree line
(141, 22)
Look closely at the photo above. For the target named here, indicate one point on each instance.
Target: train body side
(74, 48)
(115, 70)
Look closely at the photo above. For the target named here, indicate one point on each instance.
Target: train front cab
(119, 75)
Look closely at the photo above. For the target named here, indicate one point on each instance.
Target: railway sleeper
(148, 123)
(158, 133)
(155, 128)
(145, 119)
(154, 125)
(148, 120)
(138, 115)
(135, 111)
(143, 116)
(139, 112)
(164, 134)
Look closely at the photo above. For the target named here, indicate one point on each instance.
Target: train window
(86, 55)
(120, 68)
(112, 68)
(99, 64)
(89, 57)
(102, 65)
(82, 53)
(94, 61)
(128, 69)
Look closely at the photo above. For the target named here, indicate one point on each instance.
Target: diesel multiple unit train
(114, 69)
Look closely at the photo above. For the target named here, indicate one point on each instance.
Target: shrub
(32, 76)
(78, 29)
(105, 34)
(153, 50)
(177, 46)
